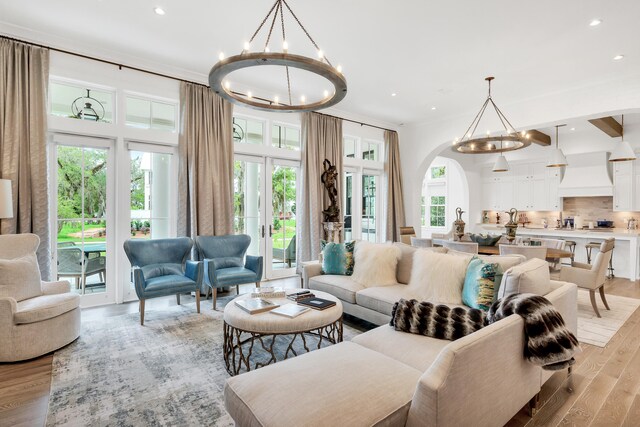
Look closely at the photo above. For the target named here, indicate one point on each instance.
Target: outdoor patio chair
(160, 268)
(70, 264)
(226, 263)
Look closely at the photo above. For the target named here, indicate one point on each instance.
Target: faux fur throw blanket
(548, 342)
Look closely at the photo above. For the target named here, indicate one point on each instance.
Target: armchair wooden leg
(604, 299)
(214, 292)
(534, 404)
(142, 312)
(198, 300)
(257, 284)
(237, 289)
(592, 294)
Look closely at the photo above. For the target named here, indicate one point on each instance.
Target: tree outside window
(438, 172)
(437, 211)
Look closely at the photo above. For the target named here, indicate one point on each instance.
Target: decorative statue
(328, 178)
(458, 224)
(512, 225)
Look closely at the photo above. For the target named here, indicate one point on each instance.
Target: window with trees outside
(438, 172)
(437, 216)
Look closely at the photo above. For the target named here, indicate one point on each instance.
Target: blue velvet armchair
(160, 268)
(226, 264)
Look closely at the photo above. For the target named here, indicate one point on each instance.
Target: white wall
(421, 143)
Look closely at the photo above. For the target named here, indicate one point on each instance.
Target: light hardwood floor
(606, 380)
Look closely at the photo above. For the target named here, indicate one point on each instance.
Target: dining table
(552, 253)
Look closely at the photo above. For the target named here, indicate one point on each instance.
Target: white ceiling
(429, 53)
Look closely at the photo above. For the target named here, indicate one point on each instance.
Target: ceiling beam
(539, 138)
(608, 125)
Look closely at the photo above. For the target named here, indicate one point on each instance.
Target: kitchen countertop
(618, 233)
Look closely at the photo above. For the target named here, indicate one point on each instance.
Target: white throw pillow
(438, 278)
(375, 264)
(20, 278)
(530, 277)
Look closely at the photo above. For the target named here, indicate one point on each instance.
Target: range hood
(588, 175)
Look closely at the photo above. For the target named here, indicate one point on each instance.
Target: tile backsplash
(589, 208)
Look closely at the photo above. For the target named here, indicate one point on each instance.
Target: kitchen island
(626, 257)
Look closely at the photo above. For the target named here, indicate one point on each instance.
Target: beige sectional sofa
(388, 378)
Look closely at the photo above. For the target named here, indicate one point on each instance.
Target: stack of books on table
(317, 303)
(299, 296)
(256, 305)
(290, 310)
(268, 292)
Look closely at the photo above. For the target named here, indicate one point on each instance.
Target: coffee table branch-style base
(239, 345)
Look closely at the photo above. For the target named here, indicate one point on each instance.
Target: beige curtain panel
(321, 139)
(205, 179)
(394, 202)
(24, 75)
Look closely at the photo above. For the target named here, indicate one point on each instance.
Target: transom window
(63, 94)
(285, 137)
(146, 113)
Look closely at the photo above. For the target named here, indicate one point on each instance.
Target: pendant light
(623, 151)
(501, 164)
(557, 159)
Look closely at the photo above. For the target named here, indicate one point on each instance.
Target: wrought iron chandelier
(219, 83)
(87, 108)
(510, 141)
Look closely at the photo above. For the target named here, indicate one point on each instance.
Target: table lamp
(6, 203)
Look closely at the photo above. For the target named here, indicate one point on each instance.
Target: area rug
(599, 330)
(168, 372)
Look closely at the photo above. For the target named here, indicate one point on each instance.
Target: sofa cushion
(417, 351)
(481, 284)
(375, 264)
(438, 277)
(20, 277)
(531, 277)
(348, 385)
(337, 258)
(45, 307)
(343, 287)
(405, 263)
(382, 298)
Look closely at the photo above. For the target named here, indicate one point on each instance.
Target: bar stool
(572, 247)
(595, 245)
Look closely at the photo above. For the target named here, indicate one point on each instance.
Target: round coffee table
(246, 335)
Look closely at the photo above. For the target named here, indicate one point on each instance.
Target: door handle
(270, 230)
(263, 231)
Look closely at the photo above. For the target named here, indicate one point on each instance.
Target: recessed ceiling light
(595, 22)
(618, 57)
(159, 11)
(573, 128)
(433, 108)
(393, 94)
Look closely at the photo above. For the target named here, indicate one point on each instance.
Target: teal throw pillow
(337, 258)
(481, 284)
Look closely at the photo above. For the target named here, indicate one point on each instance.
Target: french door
(82, 212)
(152, 201)
(265, 208)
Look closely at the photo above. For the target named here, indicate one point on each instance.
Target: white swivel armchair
(36, 317)
(591, 276)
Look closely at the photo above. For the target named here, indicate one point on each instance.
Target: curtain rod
(166, 76)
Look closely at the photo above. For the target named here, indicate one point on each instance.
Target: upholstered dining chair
(528, 252)
(226, 262)
(468, 247)
(406, 234)
(161, 268)
(36, 317)
(591, 276)
(421, 242)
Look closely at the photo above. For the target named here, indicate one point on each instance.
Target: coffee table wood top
(552, 253)
(270, 323)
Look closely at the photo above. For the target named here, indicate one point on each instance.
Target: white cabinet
(623, 180)
(532, 187)
(528, 187)
(497, 190)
